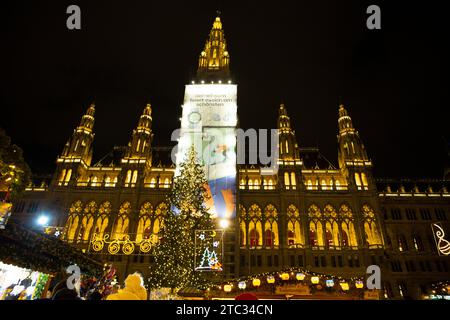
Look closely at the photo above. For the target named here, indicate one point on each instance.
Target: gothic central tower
(208, 122)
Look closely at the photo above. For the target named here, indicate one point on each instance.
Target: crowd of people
(92, 289)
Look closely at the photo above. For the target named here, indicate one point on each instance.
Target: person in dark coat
(66, 294)
(95, 296)
(61, 292)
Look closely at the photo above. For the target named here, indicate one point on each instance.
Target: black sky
(310, 54)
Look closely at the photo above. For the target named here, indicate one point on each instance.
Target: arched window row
(83, 222)
(259, 228)
(327, 228)
(402, 242)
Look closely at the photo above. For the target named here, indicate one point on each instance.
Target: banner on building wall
(209, 123)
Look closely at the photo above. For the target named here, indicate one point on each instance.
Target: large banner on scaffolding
(209, 122)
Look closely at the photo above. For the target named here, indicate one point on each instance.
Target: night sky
(312, 55)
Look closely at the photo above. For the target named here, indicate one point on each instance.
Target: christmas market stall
(29, 260)
(295, 284)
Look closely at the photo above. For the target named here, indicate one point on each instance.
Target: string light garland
(317, 281)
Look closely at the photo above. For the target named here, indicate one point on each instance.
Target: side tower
(77, 153)
(138, 157)
(352, 155)
(288, 151)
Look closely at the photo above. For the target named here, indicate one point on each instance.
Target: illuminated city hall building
(332, 219)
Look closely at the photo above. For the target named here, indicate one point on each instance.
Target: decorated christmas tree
(175, 254)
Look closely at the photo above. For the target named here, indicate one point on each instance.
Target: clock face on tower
(194, 117)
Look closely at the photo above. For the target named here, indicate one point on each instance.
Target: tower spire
(288, 147)
(80, 144)
(141, 139)
(350, 144)
(213, 63)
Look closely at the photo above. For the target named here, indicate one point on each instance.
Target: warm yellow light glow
(242, 285)
(285, 276)
(315, 280)
(359, 284)
(300, 276)
(256, 282)
(224, 223)
(345, 286)
(270, 279)
(227, 288)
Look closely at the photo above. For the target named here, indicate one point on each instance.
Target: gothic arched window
(158, 220)
(271, 226)
(255, 226)
(123, 221)
(88, 220)
(144, 223)
(373, 236)
(73, 220)
(347, 227)
(315, 227)
(295, 234)
(103, 218)
(331, 227)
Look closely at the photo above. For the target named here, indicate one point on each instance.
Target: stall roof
(37, 251)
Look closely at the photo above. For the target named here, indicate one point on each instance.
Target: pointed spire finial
(282, 110)
(148, 109)
(214, 59)
(91, 109)
(342, 111)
